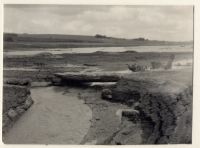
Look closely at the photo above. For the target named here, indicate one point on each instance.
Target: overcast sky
(172, 23)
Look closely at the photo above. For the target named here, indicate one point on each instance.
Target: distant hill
(12, 40)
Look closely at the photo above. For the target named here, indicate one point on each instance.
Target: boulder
(131, 114)
(106, 94)
(136, 67)
(21, 82)
(20, 110)
(12, 114)
(28, 103)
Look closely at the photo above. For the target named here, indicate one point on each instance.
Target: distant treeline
(12, 40)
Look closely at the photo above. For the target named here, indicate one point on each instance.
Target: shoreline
(104, 121)
(106, 126)
(64, 120)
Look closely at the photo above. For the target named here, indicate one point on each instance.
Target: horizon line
(147, 39)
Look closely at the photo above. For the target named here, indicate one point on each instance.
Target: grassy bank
(13, 41)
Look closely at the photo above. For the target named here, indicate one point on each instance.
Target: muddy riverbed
(66, 115)
(58, 116)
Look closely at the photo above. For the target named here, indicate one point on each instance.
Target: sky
(170, 23)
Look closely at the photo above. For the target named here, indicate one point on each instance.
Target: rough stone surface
(16, 99)
(106, 94)
(14, 95)
(168, 113)
(22, 82)
(20, 110)
(12, 114)
(27, 103)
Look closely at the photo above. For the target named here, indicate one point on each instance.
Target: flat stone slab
(89, 77)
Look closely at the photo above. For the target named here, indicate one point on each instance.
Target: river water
(57, 116)
(187, 48)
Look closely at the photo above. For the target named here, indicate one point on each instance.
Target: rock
(6, 123)
(90, 64)
(14, 95)
(22, 82)
(169, 112)
(156, 65)
(16, 99)
(169, 130)
(56, 81)
(12, 114)
(20, 110)
(135, 67)
(136, 105)
(6, 120)
(106, 94)
(87, 77)
(118, 143)
(20, 100)
(132, 115)
(97, 118)
(28, 103)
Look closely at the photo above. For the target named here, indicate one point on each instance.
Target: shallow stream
(57, 116)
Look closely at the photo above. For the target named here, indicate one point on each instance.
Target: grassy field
(13, 41)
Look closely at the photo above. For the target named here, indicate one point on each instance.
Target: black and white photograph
(97, 74)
